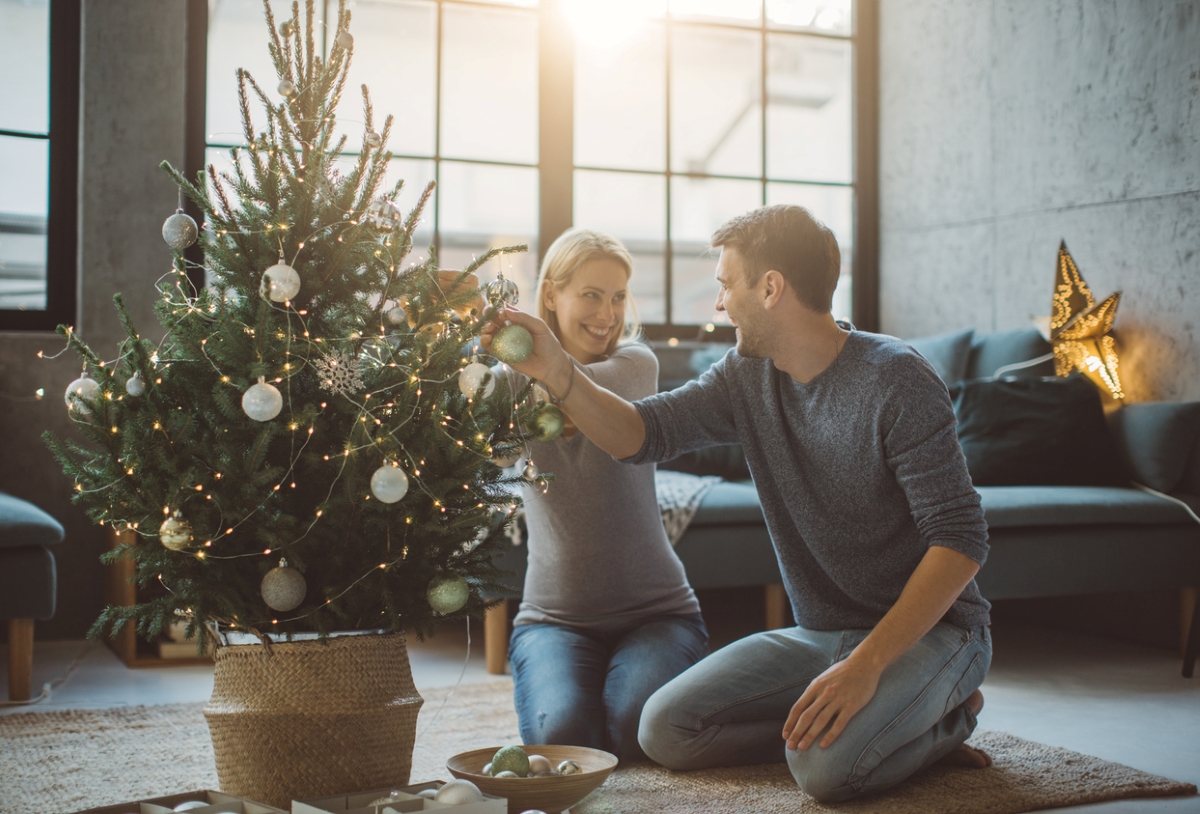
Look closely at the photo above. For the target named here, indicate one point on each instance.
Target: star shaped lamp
(1081, 328)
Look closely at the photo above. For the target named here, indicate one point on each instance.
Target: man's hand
(834, 697)
(548, 363)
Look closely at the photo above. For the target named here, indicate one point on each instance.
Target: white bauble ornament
(283, 587)
(540, 763)
(459, 793)
(280, 283)
(179, 231)
(134, 385)
(475, 376)
(389, 484)
(384, 216)
(81, 391)
(531, 472)
(188, 805)
(397, 315)
(175, 533)
(568, 767)
(448, 593)
(487, 769)
(502, 291)
(512, 344)
(506, 773)
(373, 140)
(286, 88)
(533, 811)
(344, 39)
(428, 794)
(262, 401)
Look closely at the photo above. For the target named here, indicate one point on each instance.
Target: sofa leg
(20, 658)
(495, 638)
(1193, 638)
(776, 606)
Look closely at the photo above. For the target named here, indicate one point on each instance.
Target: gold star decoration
(1080, 328)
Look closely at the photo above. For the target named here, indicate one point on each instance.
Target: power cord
(50, 686)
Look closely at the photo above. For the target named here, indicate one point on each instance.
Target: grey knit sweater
(858, 472)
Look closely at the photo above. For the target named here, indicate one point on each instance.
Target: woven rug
(57, 762)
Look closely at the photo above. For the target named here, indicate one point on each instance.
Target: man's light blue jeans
(584, 688)
(731, 707)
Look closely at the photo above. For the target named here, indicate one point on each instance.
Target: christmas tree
(314, 444)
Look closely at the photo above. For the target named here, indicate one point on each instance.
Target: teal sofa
(1045, 540)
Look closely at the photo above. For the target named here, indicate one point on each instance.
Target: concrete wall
(1007, 125)
(132, 102)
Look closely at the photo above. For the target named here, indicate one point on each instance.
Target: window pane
(237, 38)
(832, 16)
(489, 84)
(519, 3)
(833, 206)
(716, 81)
(25, 65)
(810, 109)
(484, 207)
(24, 175)
(395, 44)
(620, 103)
(698, 207)
(730, 12)
(632, 208)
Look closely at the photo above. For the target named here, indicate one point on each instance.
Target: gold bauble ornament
(175, 533)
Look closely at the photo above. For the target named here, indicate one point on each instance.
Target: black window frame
(62, 220)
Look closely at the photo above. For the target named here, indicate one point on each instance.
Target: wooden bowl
(549, 794)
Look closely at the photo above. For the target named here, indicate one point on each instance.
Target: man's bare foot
(975, 701)
(968, 756)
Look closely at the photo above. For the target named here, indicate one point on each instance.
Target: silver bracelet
(570, 384)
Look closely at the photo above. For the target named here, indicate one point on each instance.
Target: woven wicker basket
(311, 719)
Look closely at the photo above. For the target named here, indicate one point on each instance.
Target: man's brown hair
(788, 239)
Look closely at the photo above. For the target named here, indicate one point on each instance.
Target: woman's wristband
(570, 384)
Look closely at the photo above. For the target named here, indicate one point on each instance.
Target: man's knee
(822, 774)
(661, 740)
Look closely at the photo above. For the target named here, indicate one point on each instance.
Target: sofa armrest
(1159, 441)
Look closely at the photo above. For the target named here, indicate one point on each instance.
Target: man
(851, 441)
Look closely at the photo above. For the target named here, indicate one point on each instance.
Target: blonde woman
(607, 616)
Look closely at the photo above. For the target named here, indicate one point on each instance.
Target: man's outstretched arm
(611, 422)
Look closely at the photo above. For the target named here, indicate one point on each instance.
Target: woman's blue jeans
(730, 708)
(582, 688)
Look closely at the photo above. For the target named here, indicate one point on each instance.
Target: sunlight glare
(604, 24)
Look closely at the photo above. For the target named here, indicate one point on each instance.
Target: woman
(607, 615)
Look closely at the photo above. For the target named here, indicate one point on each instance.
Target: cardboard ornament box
(217, 803)
(407, 800)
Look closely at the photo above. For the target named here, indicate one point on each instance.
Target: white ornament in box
(211, 802)
(408, 798)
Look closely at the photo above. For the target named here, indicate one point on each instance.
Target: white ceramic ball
(80, 391)
(283, 588)
(506, 773)
(134, 385)
(429, 794)
(389, 484)
(459, 793)
(281, 283)
(533, 811)
(262, 401)
(447, 594)
(188, 805)
(539, 763)
(344, 39)
(473, 377)
(487, 768)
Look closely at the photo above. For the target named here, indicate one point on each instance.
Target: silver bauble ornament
(134, 385)
(384, 216)
(280, 283)
(389, 484)
(180, 231)
(448, 593)
(540, 763)
(262, 401)
(397, 315)
(283, 587)
(568, 767)
(530, 474)
(512, 344)
(81, 391)
(502, 291)
(175, 533)
(459, 793)
(547, 423)
(344, 39)
(507, 457)
(373, 140)
(475, 376)
(286, 88)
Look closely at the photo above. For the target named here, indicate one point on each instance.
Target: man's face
(737, 299)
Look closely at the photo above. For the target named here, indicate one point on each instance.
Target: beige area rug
(58, 762)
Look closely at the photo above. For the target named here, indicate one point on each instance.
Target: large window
(39, 77)
(655, 120)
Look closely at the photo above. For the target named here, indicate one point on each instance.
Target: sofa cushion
(22, 524)
(947, 353)
(1017, 506)
(724, 460)
(1035, 431)
(990, 352)
(1156, 440)
(729, 503)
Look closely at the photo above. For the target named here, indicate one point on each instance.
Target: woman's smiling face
(590, 308)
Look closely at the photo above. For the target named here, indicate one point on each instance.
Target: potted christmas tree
(313, 447)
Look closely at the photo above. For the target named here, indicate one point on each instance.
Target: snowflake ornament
(340, 373)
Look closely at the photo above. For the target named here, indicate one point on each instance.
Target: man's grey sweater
(858, 471)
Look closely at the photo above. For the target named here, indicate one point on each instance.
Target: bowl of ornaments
(538, 778)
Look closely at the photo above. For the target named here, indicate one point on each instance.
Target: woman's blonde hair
(565, 256)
